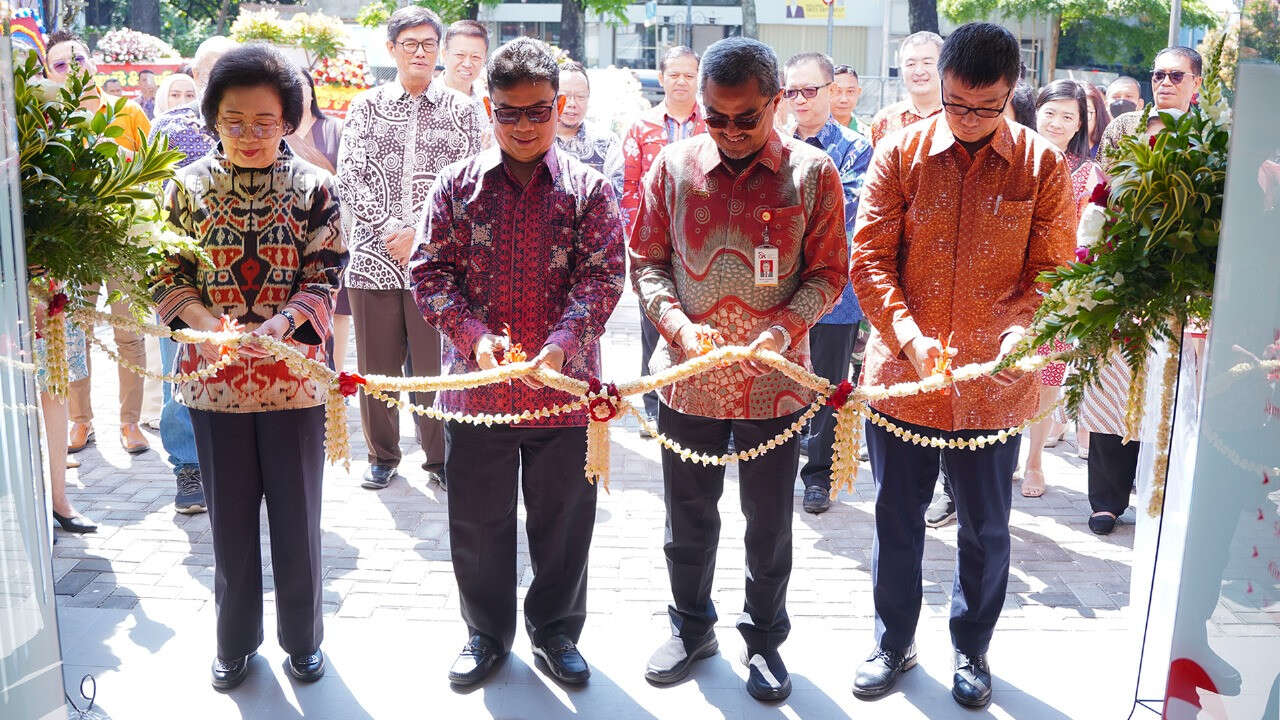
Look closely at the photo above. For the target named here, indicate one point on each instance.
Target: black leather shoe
(478, 658)
(563, 660)
(227, 674)
(880, 672)
(307, 668)
(378, 476)
(816, 499)
(435, 473)
(77, 524)
(767, 678)
(971, 685)
(674, 659)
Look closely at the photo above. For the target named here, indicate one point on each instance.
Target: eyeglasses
(260, 131)
(720, 122)
(511, 115)
(580, 99)
(1174, 76)
(63, 66)
(961, 110)
(412, 46)
(809, 93)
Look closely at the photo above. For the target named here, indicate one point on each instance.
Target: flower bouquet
(130, 46)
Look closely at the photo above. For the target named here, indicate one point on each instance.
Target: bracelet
(293, 323)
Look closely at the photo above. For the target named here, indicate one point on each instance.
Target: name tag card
(766, 266)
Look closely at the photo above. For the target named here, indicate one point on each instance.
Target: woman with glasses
(270, 223)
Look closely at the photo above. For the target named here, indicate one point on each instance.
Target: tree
(144, 16)
(1116, 28)
(1260, 30)
(572, 22)
(923, 15)
(749, 28)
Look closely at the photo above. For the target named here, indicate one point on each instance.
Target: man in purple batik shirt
(525, 235)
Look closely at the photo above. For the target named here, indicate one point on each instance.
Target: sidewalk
(136, 610)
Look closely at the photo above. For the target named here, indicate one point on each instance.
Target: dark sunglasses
(63, 66)
(983, 112)
(720, 122)
(809, 93)
(511, 115)
(1175, 76)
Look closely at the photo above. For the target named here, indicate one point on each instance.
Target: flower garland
(58, 372)
(602, 406)
(1169, 384)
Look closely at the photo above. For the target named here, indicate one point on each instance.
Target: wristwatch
(293, 323)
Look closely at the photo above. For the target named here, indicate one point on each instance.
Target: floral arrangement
(342, 72)
(87, 205)
(130, 46)
(319, 35)
(264, 25)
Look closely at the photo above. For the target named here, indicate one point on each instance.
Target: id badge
(766, 266)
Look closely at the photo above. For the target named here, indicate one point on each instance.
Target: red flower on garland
(349, 383)
(1101, 194)
(58, 303)
(603, 408)
(841, 395)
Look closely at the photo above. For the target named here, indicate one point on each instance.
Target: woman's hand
(276, 327)
(204, 321)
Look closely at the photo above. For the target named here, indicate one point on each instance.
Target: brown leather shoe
(79, 437)
(132, 439)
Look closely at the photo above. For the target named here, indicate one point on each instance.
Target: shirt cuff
(786, 337)
(169, 306)
(671, 322)
(566, 341)
(467, 335)
(904, 331)
(315, 318)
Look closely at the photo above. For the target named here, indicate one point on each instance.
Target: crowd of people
(442, 225)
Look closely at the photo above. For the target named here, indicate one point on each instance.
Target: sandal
(1033, 483)
(1102, 523)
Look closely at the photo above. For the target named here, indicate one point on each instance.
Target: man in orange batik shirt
(959, 215)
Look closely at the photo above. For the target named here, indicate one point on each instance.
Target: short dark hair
(845, 70)
(254, 65)
(920, 38)
(144, 71)
(1127, 79)
(1193, 57)
(467, 28)
(412, 16)
(575, 66)
(1023, 100)
(675, 52)
(1101, 113)
(57, 37)
(1069, 90)
(824, 63)
(522, 60)
(981, 54)
(733, 61)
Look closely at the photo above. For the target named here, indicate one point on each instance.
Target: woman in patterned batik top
(270, 224)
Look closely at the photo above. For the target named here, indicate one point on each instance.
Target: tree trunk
(749, 28)
(144, 16)
(572, 22)
(923, 15)
(471, 10)
(1051, 48)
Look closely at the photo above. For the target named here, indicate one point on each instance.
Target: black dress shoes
(767, 678)
(475, 662)
(880, 672)
(307, 668)
(378, 477)
(971, 685)
(817, 499)
(673, 660)
(563, 660)
(227, 674)
(77, 524)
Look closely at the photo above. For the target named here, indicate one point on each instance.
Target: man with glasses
(958, 217)
(918, 68)
(526, 236)
(397, 137)
(1175, 80)
(574, 134)
(808, 89)
(846, 89)
(740, 240)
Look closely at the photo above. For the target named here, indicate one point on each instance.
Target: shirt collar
(1001, 142)
(661, 115)
(708, 155)
(829, 134)
(433, 93)
(491, 159)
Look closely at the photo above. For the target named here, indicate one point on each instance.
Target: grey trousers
(391, 335)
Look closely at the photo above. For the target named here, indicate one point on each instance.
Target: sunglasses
(983, 112)
(63, 66)
(809, 93)
(1174, 76)
(261, 131)
(720, 122)
(511, 115)
(411, 46)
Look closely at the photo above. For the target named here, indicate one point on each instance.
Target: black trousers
(693, 525)
(982, 481)
(246, 458)
(830, 349)
(1113, 466)
(649, 337)
(486, 466)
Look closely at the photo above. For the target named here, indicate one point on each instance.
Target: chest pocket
(786, 232)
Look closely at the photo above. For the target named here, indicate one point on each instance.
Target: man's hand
(923, 353)
(770, 339)
(486, 350)
(400, 245)
(690, 338)
(551, 357)
(275, 327)
(1010, 375)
